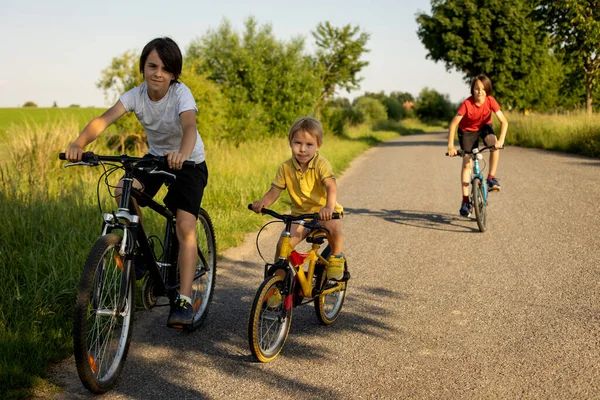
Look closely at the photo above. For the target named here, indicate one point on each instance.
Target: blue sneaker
(465, 209)
(493, 184)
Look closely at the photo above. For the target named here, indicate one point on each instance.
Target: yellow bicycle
(294, 279)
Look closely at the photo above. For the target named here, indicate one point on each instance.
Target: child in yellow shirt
(312, 187)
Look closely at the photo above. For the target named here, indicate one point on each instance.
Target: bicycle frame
(298, 259)
(476, 173)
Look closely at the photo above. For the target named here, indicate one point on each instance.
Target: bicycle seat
(317, 236)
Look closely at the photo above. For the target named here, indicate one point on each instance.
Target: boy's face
(157, 78)
(304, 146)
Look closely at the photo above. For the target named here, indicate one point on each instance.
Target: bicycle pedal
(345, 278)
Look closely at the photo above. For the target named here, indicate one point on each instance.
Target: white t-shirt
(160, 119)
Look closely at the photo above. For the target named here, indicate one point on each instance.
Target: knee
(186, 231)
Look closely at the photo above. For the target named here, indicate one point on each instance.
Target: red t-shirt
(473, 116)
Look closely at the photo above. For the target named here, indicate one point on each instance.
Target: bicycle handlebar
(287, 217)
(461, 152)
(94, 159)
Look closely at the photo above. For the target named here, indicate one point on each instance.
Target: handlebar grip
(335, 215)
(188, 164)
(62, 156)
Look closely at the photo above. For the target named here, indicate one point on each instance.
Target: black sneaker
(493, 184)
(181, 314)
(465, 209)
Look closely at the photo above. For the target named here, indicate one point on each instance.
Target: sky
(54, 51)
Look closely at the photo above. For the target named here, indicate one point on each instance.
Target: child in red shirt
(474, 121)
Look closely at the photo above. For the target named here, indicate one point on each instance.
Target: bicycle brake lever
(78, 163)
(161, 172)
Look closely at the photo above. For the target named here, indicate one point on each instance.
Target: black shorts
(469, 140)
(184, 193)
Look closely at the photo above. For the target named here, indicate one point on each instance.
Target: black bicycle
(123, 254)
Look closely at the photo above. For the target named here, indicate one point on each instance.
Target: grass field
(43, 116)
(576, 132)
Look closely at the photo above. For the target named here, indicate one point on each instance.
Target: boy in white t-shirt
(166, 109)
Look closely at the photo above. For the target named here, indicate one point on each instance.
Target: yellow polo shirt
(306, 189)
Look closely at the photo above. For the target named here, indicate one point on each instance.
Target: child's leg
(335, 238)
(490, 140)
(188, 250)
(298, 233)
(465, 175)
(494, 157)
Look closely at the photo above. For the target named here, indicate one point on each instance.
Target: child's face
(479, 91)
(304, 146)
(157, 78)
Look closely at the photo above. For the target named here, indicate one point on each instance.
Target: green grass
(51, 220)
(576, 133)
(42, 116)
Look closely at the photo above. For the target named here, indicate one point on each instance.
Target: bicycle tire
(101, 342)
(268, 325)
(329, 306)
(478, 201)
(205, 272)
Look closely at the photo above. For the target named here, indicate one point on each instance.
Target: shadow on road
(420, 219)
(176, 363)
(420, 143)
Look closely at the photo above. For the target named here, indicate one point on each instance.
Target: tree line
(541, 55)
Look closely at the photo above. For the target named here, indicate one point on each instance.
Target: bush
(372, 109)
(29, 104)
(433, 106)
(395, 111)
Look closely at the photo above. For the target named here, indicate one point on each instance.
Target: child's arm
(503, 128)
(93, 129)
(188, 141)
(269, 198)
(326, 212)
(451, 133)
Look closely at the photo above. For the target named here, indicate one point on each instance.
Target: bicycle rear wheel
(103, 315)
(479, 203)
(206, 269)
(269, 322)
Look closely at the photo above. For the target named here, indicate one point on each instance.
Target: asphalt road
(435, 309)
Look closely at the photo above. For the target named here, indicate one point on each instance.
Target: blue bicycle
(479, 189)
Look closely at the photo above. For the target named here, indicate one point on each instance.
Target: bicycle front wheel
(479, 204)
(329, 306)
(103, 315)
(206, 269)
(269, 322)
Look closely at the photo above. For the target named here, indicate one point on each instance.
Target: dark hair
(169, 53)
(485, 81)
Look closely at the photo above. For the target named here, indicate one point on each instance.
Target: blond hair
(310, 125)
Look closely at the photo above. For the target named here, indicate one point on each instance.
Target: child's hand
(257, 206)
(175, 160)
(325, 214)
(74, 153)
(452, 151)
(499, 144)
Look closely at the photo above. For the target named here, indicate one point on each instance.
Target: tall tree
(339, 52)
(495, 37)
(575, 27)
